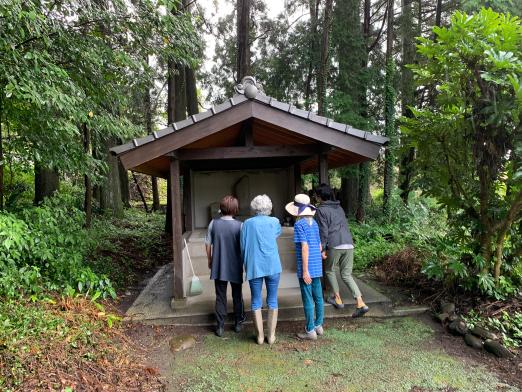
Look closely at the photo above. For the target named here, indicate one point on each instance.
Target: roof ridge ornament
(248, 87)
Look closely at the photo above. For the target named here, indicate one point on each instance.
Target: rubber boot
(271, 325)
(258, 326)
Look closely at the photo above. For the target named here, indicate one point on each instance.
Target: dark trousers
(221, 302)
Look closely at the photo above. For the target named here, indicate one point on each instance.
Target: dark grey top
(226, 253)
(333, 227)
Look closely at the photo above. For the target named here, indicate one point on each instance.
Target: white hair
(261, 205)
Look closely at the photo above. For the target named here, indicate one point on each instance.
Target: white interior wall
(210, 186)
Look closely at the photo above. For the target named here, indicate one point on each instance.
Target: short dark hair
(324, 192)
(229, 205)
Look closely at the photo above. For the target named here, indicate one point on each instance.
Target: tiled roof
(240, 98)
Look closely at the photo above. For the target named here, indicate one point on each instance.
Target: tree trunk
(180, 107)
(389, 113)
(124, 184)
(176, 111)
(364, 191)
(322, 76)
(314, 15)
(87, 200)
(192, 91)
(155, 194)
(46, 182)
(111, 189)
(364, 168)
(243, 41)
(148, 129)
(407, 94)
(350, 193)
(140, 192)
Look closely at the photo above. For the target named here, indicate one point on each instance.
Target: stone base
(178, 303)
(156, 305)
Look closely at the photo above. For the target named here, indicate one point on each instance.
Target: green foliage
(44, 248)
(65, 64)
(126, 249)
(467, 146)
(419, 224)
(509, 326)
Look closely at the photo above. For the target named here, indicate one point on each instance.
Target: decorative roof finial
(248, 86)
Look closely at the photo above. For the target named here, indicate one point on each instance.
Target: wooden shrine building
(250, 144)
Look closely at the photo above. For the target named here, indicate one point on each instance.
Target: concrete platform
(153, 304)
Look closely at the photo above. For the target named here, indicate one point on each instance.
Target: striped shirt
(306, 230)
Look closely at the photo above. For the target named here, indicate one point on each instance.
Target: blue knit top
(259, 246)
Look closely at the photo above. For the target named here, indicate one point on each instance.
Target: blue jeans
(312, 295)
(256, 284)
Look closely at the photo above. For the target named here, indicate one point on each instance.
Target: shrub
(43, 248)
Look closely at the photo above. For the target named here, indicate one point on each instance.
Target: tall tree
(243, 39)
(349, 95)
(407, 29)
(389, 112)
(313, 6)
(324, 64)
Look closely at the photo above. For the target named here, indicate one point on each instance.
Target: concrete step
(153, 305)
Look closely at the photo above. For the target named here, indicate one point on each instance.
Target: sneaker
(319, 330)
(219, 331)
(337, 303)
(359, 312)
(308, 335)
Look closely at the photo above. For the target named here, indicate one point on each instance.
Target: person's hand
(306, 277)
(209, 263)
(323, 254)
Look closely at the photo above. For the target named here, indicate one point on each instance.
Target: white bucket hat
(300, 206)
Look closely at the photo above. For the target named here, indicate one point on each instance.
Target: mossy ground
(393, 355)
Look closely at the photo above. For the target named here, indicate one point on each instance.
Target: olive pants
(341, 259)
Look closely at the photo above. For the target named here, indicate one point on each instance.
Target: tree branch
(380, 32)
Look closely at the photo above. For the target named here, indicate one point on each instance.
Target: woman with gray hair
(261, 258)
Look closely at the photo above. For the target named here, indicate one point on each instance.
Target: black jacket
(333, 227)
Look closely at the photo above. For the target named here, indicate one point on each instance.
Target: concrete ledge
(155, 306)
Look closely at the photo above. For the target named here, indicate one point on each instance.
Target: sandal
(359, 312)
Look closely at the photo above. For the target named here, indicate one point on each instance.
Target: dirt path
(367, 355)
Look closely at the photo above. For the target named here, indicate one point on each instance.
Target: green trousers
(341, 259)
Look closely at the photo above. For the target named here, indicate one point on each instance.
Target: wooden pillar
(187, 200)
(298, 186)
(323, 168)
(177, 235)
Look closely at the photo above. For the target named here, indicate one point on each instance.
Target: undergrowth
(44, 248)
(64, 343)
(416, 225)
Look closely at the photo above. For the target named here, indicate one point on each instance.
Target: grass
(394, 355)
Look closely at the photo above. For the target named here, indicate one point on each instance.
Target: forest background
(440, 78)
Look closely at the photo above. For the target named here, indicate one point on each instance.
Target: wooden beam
(185, 136)
(323, 168)
(177, 235)
(315, 131)
(244, 152)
